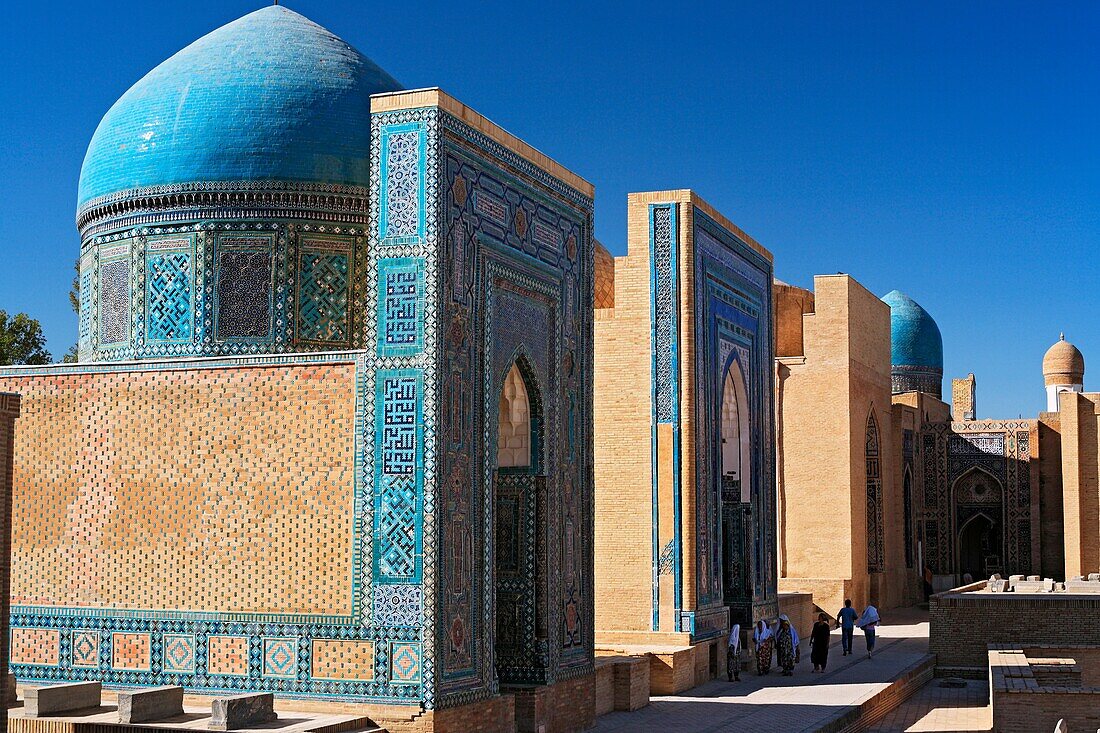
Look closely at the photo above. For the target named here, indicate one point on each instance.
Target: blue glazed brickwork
(516, 286)
(400, 306)
(399, 481)
(170, 287)
(402, 195)
(733, 330)
(271, 96)
(243, 293)
(324, 284)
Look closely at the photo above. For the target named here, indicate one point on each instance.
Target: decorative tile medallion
(85, 648)
(280, 658)
(178, 653)
(405, 662)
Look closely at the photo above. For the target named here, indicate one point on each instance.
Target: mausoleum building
(330, 435)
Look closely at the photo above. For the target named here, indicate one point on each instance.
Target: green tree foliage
(21, 340)
(74, 301)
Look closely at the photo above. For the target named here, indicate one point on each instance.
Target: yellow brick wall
(1080, 424)
(622, 445)
(111, 510)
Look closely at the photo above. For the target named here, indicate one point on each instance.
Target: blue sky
(949, 150)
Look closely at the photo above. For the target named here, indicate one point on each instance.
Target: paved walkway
(780, 704)
(937, 708)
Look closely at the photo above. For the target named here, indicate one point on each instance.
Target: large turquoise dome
(271, 96)
(916, 346)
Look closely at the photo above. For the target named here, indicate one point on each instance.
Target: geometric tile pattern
(244, 288)
(178, 653)
(114, 301)
(875, 524)
(731, 312)
(398, 509)
(85, 648)
(36, 646)
(343, 660)
(665, 290)
(396, 604)
(403, 185)
(130, 651)
(281, 658)
(169, 311)
(227, 655)
(400, 306)
(405, 662)
(83, 472)
(323, 297)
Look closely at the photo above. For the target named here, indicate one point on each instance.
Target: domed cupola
(224, 196)
(916, 347)
(1063, 371)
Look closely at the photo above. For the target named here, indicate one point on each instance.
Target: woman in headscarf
(786, 645)
(819, 643)
(869, 622)
(733, 654)
(764, 639)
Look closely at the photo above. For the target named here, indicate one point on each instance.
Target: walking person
(764, 639)
(787, 652)
(819, 643)
(869, 622)
(846, 619)
(733, 654)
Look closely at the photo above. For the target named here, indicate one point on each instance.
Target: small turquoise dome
(270, 96)
(915, 338)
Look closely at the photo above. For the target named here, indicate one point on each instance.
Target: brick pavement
(939, 709)
(805, 702)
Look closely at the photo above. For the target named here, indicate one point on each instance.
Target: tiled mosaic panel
(397, 604)
(85, 649)
(87, 269)
(227, 655)
(323, 297)
(280, 658)
(244, 290)
(664, 317)
(114, 302)
(168, 299)
(397, 516)
(178, 653)
(130, 651)
(405, 662)
(343, 660)
(35, 646)
(400, 306)
(403, 185)
(224, 508)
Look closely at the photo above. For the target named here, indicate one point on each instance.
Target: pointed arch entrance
(978, 498)
(519, 504)
(735, 472)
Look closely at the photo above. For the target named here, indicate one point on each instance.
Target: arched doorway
(736, 488)
(978, 498)
(519, 526)
(979, 540)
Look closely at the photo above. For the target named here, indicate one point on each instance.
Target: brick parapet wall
(963, 624)
(9, 411)
(1023, 701)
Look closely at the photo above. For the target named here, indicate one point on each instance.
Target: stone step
(57, 699)
(242, 711)
(150, 705)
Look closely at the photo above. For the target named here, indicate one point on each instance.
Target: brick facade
(962, 624)
(9, 411)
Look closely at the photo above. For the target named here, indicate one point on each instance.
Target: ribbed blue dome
(270, 96)
(915, 339)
